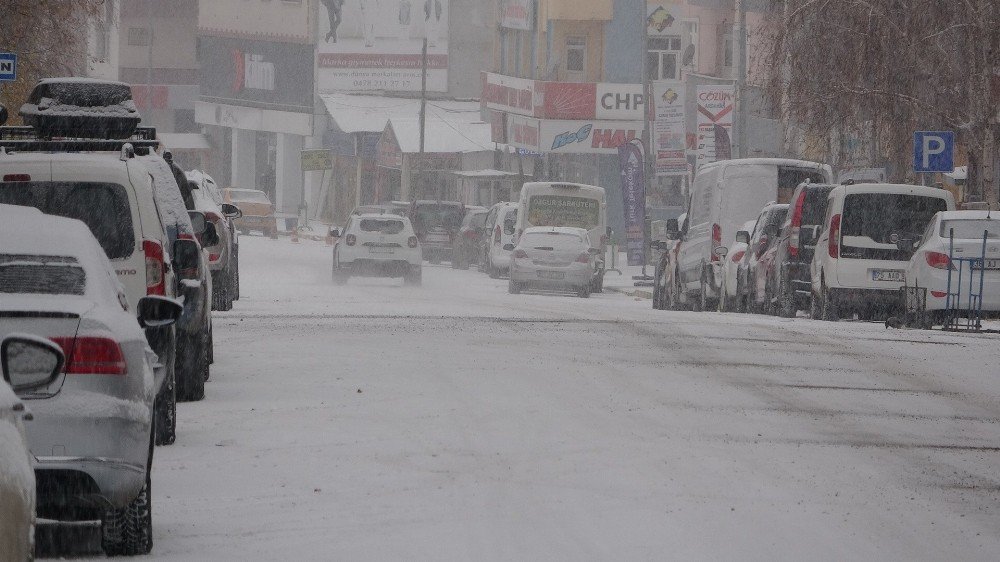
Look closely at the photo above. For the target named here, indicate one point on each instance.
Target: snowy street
(458, 422)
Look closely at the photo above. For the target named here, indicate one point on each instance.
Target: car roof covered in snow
(173, 212)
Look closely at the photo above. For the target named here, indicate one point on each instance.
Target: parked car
(377, 245)
(497, 242)
(729, 299)
(957, 234)
(787, 284)
(194, 286)
(469, 239)
(103, 184)
(436, 224)
(863, 254)
(753, 267)
(553, 257)
(27, 363)
(257, 209)
(567, 205)
(224, 257)
(725, 195)
(666, 290)
(93, 432)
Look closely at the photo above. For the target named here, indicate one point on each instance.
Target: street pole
(423, 103)
(739, 56)
(149, 56)
(647, 133)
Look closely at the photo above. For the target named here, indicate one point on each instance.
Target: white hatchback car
(730, 268)
(92, 436)
(498, 243)
(861, 259)
(553, 257)
(377, 245)
(958, 234)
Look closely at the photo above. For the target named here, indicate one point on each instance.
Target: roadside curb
(629, 291)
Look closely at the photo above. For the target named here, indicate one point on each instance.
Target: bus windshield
(564, 210)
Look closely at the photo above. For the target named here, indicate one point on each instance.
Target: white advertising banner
(669, 130)
(586, 137)
(715, 122)
(366, 45)
(517, 14)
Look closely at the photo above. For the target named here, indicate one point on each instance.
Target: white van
(725, 195)
(866, 245)
(567, 204)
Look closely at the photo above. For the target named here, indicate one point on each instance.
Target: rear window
(553, 240)
(438, 216)
(41, 275)
(383, 226)
(971, 229)
(103, 207)
(476, 220)
(814, 208)
(563, 210)
(248, 196)
(875, 221)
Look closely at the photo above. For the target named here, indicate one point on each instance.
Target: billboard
(517, 14)
(367, 45)
(256, 71)
(586, 137)
(715, 122)
(669, 130)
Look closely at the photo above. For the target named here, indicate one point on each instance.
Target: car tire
(657, 291)
(584, 292)
(513, 287)
(236, 273)
(413, 279)
(165, 410)
(191, 386)
(828, 308)
(786, 301)
(598, 286)
(211, 346)
(494, 271)
(129, 531)
(339, 275)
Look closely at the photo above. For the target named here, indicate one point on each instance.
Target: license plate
(990, 264)
(892, 275)
(551, 274)
(378, 250)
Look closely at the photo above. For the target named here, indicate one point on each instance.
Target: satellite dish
(687, 59)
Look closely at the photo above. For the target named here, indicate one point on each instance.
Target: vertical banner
(715, 122)
(630, 157)
(669, 128)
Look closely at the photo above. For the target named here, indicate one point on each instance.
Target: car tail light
(16, 177)
(92, 356)
(937, 260)
(496, 235)
(738, 256)
(351, 239)
(793, 240)
(155, 268)
(411, 241)
(520, 254)
(716, 241)
(833, 245)
(583, 258)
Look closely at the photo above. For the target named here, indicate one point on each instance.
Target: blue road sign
(933, 151)
(8, 67)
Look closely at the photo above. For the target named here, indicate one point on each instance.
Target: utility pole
(647, 135)
(423, 94)
(740, 58)
(149, 56)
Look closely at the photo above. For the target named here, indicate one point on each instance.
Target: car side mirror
(198, 222)
(231, 211)
(29, 362)
(335, 232)
(743, 237)
(671, 229)
(187, 258)
(211, 236)
(720, 251)
(158, 312)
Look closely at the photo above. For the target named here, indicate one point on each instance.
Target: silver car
(92, 436)
(224, 257)
(553, 257)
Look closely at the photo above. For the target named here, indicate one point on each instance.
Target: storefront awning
(360, 113)
(452, 136)
(184, 141)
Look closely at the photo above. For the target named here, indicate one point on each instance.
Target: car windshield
(971, 229)
(383, 226)
(46, 275)
(564, 210)
(879, 216)
(248, 196)
(104, 207)
(552, 241)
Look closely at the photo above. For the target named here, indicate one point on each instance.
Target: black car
(789, 280)
(467, 243)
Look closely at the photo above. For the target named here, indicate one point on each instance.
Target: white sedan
(931, 261)
(553, 257)
(92, 436)
(377, 245)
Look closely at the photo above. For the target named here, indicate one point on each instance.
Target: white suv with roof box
(866, 244)
(377, 245)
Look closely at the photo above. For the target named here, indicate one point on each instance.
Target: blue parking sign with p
(933, 151)
(8, 67)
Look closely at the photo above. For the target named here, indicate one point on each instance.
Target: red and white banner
(715, 122)
(669, 128)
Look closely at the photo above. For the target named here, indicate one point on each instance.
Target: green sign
(561, 210)
(316, 160)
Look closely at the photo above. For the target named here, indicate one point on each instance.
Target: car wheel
(513, 287)
(228, 292)
(786, 301)
(192, 389)
(129, 531)
(413, 278)
(584, 292)
(211, 346)
(598, 286)
(657, 291)
(339, 275)
(494, 271)
(165, 409)
(236, 273)
(829, 310)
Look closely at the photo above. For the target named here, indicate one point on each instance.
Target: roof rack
(27, 139)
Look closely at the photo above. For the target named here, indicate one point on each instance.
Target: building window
(727, 51)
(576, 56)
(663, 58)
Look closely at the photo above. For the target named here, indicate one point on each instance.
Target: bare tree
(50, 39)
(885, 68)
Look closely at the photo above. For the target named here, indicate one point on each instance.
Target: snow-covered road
(458, 422)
